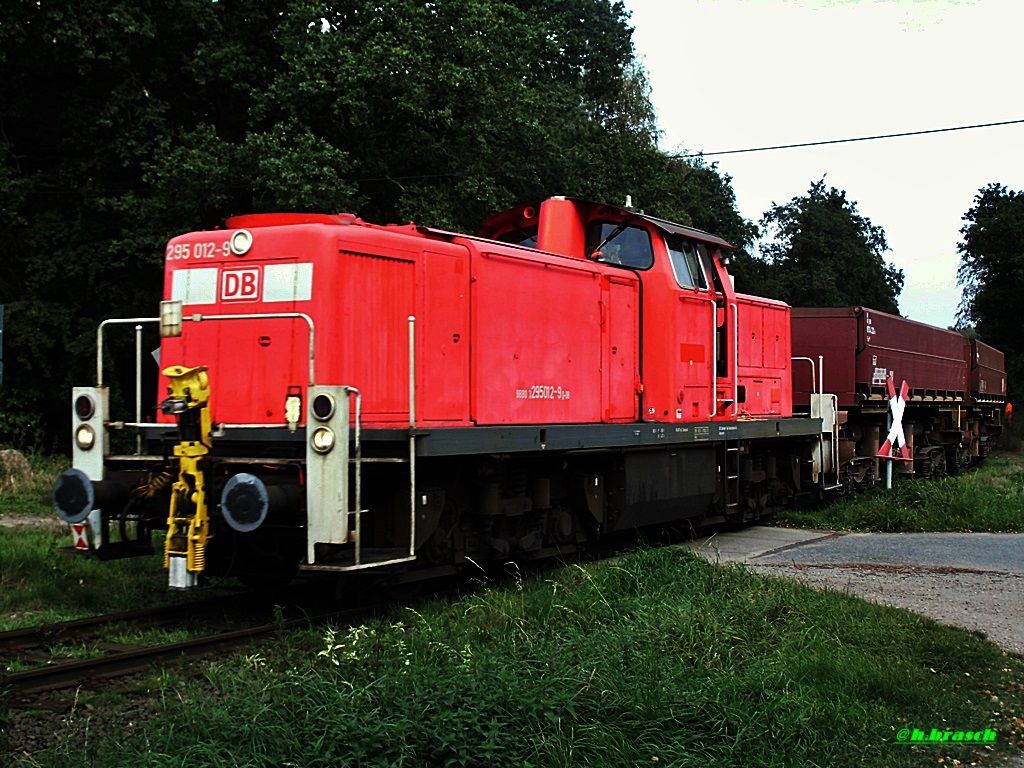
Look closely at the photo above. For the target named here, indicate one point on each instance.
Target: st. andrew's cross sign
(895, 438)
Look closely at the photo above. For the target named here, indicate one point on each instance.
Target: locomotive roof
(672, 228)
(669, 227)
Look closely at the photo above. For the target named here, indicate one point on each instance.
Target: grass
(990, 498)
(80, 651)
(129, 635)
(39, 584)
(32, 495)
(659, 659)
(16, 665)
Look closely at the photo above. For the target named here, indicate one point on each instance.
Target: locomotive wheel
(263, 563)
(441, 544)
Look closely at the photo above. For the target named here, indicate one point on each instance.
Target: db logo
(240, 285)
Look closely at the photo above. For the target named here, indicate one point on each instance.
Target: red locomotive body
(503, 335)
(764, 357)
(340, 396)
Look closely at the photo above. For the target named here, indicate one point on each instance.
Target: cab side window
(613, 243)
(689, 262)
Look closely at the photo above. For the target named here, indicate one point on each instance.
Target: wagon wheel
(963, 457)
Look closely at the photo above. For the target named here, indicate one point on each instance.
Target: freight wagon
(956, 387)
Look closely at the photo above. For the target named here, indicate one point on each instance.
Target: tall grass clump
(658, 659)
(990, 498)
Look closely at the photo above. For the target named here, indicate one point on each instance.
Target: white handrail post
(714, 357)
(412, 436)
(138, 388)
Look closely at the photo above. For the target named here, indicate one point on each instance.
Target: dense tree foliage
(820, 252)
(992, 273)
(94, 94)
(124, 123)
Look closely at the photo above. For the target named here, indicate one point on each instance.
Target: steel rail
(28, 637)
(122, 663)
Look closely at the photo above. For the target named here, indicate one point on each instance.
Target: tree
(92, 92)
(684, 190)
(821, 252)
(125, 123)
(992, 273)
(451, 111)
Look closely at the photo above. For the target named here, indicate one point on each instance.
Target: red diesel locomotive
(340, 396)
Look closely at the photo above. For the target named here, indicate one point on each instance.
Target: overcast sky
(735, 74)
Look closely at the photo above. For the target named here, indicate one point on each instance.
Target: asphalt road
(995, 552)
(969, 580)
(975, 552)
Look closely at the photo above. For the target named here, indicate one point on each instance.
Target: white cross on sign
(897, 403)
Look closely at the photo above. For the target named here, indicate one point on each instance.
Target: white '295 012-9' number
(180, 251)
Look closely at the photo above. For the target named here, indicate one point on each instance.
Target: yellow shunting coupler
(188, 522)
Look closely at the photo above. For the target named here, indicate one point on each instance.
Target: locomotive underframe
(482, 493)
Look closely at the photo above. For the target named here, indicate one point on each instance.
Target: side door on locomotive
(690, 316)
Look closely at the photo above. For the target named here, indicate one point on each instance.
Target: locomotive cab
(689, 309)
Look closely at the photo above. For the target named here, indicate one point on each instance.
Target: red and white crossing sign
(78, 531)
(897, 404)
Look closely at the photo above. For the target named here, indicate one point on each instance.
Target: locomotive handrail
(198, 318)
(714, 356)
(217, 425)
(814, 383)
(358, 551)
(412, 436)
(99, 339)
(818, 383)
(137, 321)
(138, 386)
(138, 362)
(736, 358)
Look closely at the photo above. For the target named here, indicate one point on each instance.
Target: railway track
(223, 616)
(33, 640)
